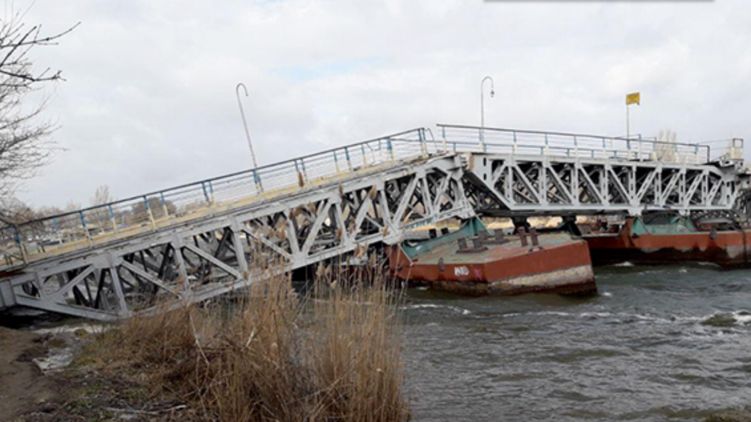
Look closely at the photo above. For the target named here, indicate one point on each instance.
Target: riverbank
(657, 344)
(269, 354)
(21, 378)
(42, 381)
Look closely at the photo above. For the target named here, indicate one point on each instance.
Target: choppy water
(658, 343)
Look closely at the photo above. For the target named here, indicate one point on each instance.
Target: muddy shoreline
(45, 377)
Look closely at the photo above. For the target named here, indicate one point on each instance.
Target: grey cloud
(149, 100)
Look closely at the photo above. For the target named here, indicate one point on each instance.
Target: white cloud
(149, 98)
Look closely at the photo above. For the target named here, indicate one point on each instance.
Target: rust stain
(725, 248)
(558, 268)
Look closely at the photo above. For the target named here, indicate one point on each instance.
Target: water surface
(657, 343)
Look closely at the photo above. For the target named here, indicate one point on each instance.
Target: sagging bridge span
(196, 241)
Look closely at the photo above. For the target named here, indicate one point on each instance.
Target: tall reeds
(331, 354)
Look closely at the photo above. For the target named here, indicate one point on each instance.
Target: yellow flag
(633, 98)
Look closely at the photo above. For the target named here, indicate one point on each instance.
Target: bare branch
(23, 136)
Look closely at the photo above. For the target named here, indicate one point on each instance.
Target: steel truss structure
(193, 242)
(209, 257)
(526, 185)
(522, 172)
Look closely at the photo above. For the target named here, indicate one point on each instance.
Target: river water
(657, 343)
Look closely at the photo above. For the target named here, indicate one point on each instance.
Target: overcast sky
(148, 100)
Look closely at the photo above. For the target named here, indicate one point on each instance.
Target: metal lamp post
(256, 176)
(245, 122)
(482, 106)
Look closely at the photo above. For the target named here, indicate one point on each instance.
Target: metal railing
(725, 149)
(122, 218)
(532, 142)
(99, 224)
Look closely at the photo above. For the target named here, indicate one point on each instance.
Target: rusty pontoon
(474, 261)
(666, 238)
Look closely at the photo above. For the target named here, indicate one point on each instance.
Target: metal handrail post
(336, 163)
(83, 224)
(205, 192)
(300, 177)
(304, 171)
(628, 145)
(641, 158)
(112, 217)
(421, 137)
(21, 244)
(432, 138)
(164, 204)
(148, 212)
(257, 180)
(349, 160)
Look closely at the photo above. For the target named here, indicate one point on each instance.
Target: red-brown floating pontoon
(670, 239)
(476, 262)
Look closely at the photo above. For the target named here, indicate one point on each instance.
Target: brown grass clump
(331, 355)
(356, 357)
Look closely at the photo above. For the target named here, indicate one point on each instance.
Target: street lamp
(482, 105)
(245, 122)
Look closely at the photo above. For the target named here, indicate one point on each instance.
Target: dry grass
(331, 355)
(355, 345)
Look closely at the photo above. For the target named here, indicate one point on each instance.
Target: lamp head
(492, 93)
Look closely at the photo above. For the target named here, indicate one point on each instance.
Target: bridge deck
(210, 208)
(102, 224)
(200, 240)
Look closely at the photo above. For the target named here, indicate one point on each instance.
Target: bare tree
(23, 147)
(13, 211)
(101, 217)
(102, 195)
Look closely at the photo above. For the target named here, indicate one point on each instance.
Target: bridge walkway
(200, 240)
(526, 172)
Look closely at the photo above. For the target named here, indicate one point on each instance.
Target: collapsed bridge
(200, 240)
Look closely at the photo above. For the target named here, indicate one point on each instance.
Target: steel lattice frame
(505, 184)
(209, 257)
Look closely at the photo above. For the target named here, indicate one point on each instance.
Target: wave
(436, 306)
(624, 317)
(718, 319)
(624, 264)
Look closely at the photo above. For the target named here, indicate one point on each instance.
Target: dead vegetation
(333, 354)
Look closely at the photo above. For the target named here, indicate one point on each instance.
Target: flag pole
(628, 126)
(631, 98)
